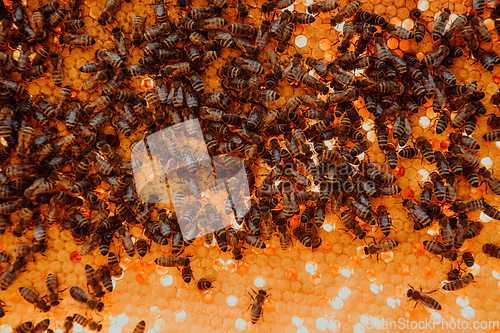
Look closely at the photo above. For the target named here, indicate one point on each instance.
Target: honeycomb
(335, 288)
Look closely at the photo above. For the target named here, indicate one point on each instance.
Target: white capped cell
(368, 124)
(376, 322)
(359, 328)
(334, 326)
(158, 325)
(311, 267)
(364, 319)
(393, 302)
(167, 280)
(232, 301)
(302, 329)
(344, 293)
(436, 317)
(327, 227)
(487, 162)
(322, 324)
(180, 316)
(240, 324)
(5, 329)
(297, 321)
(485, 218)
(468, 312)
(346, 272)
(423, 174)
(423, 5)
(259, 282)
(221, 264)
(115, 329)
(463, 301)
(337, 303)
(424, 121)
(155, 312)
(122, 320)
(371, 136)
(301, 41)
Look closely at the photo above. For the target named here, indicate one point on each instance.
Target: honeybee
(439, 25)
(440, 250)
(473, 229)
(25, 327)
(421, 218)
(180, 68)
(466, 156)
(384, 246)
(110, 58)
(80, 295)
(76, 40)
(109, 9)
(302, 18)
(421, 298)
(425, 147)
(172, 261)
(399, 32)
(262, 34)
(352, 225)
(346, 95)
(251, 239)
(322, 7)
(436, 56)
(93, 281)
(491, 250)
(240, 29)
(468, 258)
(347, 11)
(285, 38)
(33, 297)
(41, 326)
(341, 76)
(40, 56)
(383, 51)
(204, 284)
(492, 182)
(25, 249)
(458, 284)
(114, 265)
(54, 19)
(492, 136)
(140, 327)
(258, 301)
(138, 27)
(455, 28)
(52, 286)
(126, 240)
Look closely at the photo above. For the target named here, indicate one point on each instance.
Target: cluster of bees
(313, 146)
(43, 326)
